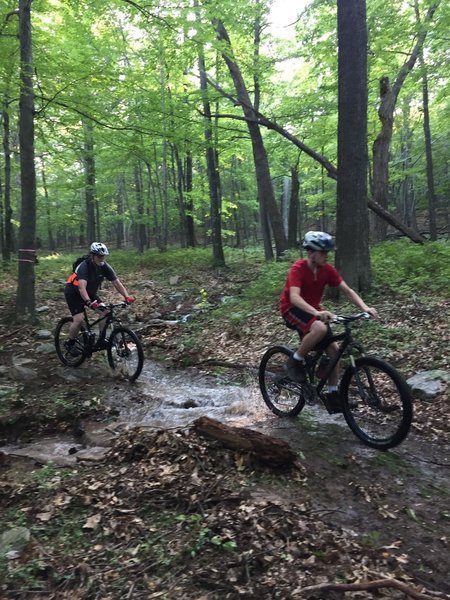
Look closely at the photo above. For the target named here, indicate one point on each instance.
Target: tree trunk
(7, 246)
(268, 206)
(48, 211)
(352, 220)
(141, 238)
(388, 97)
(212, 168)
(293, 208)
(406, 206)
(155, 195)
(431, 194)
(25, 303)
(120, 204)
(179, 190)
(189, 208)
(89, 178)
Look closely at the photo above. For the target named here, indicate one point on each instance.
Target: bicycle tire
(125, 353)
(377, 403)
(282, 395)
(61, 336)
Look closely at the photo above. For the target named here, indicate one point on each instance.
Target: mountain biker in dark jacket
(82, 286)
(300, 305)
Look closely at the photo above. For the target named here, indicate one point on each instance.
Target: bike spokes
(283, 396)
(69, 355)
(378, 407)
(125, 354)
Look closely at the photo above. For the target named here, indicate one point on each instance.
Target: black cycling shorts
(301, 321)
(76, 303)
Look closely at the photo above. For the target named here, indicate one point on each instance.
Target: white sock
(298, 357)
(332, 388)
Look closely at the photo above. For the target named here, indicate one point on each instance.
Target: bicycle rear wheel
(282, 395)
(125, 353)
(61, 337)
(377, 403)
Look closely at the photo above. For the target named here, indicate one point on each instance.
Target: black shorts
(301, 321)
(296, 318)
(76, 303)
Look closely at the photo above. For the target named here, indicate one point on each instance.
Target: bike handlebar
(103, 307)
(347, 318)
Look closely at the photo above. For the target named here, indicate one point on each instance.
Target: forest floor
(169, 514)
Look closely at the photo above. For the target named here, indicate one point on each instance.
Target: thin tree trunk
(293, 208)
(190, 230)
(89, 177)
(431, 194)
(140, 225)
(388, 97)
(212, 167)
(179, 189)
(268, 206)
(120, 203)
(7, 231)
(26, 303)
(154, 192)
(48, 210)
(407, 201)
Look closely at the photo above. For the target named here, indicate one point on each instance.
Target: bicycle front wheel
(282, 395)
(377, 403)
(61, 337)
(125, 353)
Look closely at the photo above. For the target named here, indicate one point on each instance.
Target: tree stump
(263, 448)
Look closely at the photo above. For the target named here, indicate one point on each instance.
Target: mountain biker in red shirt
(82, 286)
(301, 309)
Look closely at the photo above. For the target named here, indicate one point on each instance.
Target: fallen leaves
(173, 513)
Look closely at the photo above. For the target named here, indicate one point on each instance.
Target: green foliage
(203, 535)
(407, 268)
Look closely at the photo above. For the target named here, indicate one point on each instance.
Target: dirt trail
(397, 499)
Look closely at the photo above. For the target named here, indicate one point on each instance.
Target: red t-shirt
(312, 285)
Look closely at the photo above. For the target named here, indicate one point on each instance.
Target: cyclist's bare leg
(315, 335)
(76, 325)
(332, 350)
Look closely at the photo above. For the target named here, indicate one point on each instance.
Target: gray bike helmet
(98, 248)
(318, 240)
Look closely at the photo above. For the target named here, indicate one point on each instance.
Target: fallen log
(263, 448)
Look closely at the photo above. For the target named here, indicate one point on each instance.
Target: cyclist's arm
(297, 300)
(120, 288)
(82, 283)
(355, 299)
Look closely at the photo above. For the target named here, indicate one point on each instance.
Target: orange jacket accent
(73, 279)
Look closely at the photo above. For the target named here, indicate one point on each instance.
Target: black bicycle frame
(347, 340)
(109, 317)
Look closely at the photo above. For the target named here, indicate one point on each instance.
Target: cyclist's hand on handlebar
(97, 305)
(372, 312)
(325, 316)
(130, 299)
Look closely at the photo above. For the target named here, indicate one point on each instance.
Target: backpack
(78, 261)
(73, 277)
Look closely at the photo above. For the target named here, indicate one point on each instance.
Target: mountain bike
(376, 401)
(123, 347)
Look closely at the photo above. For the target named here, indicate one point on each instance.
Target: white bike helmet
(318, 240)
(98, 248)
